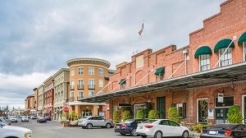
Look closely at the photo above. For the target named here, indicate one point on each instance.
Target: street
(53, 129)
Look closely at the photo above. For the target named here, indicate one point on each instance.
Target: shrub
(173, 114)
(126, 115)
(116, 116)
(140, 113)
(153, 114)
(234, 114)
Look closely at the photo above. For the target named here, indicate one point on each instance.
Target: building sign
(65, 109)
(220, 97)
(139, 61)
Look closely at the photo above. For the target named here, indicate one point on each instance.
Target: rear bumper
(125, 131)
(141, 134)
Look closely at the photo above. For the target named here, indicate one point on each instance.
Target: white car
(24, 119)
(94, 121)
(7, 131)
(13, 119)
(159, 128)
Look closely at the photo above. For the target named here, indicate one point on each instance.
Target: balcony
(80, 97)
(71, 99)
(71, 88)
(91, 87)
(80, 87)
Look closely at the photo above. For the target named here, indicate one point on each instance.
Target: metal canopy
(232, 73)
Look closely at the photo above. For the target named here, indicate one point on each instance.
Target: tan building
(88, 76)
(61, 89)
(40, 100)
(35, 90)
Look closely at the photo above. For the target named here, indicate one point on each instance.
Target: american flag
(141, 30)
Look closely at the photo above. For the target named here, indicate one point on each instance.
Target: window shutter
(184, 110)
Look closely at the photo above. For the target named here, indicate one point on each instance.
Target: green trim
(242, 39)
(122, 81)
(159, 71)
(224, 43)
(203, 51)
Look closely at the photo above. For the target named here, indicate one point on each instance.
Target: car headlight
(27, 135)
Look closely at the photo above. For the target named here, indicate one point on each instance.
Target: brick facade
(229, 22)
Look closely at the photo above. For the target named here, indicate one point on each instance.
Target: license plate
(213, 132)
(140, 127)
(117, 126)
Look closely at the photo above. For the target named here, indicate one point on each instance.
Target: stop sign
(65, 109)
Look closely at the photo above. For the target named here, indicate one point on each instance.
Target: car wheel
(144, 136)
(158, 134)
(133, 132)
(89, 126)
(108, 125)
(185, 134)
(123, 134)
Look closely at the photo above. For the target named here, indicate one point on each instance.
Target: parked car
(159, 128)
(7, 131)
(33, 117)
(24, 119)
(128, 126)
(225, 130)
(94, 121)
(4, 120)
(13, 119)
(48, 118)
(41, 119)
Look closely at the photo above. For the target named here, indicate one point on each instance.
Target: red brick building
(48, 97)
(202, 79)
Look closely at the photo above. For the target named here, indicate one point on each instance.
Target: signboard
(220, 97)
(65, 109)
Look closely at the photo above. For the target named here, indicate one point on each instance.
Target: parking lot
(53, 129)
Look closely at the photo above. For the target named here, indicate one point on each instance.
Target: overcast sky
(38, 37)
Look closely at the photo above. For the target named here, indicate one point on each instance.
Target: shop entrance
(244, 109)
(86, 113)
(161, 102)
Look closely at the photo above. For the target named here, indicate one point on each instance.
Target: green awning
(224, 43)
(242, 39)
(122, 81)
(159, 71)
(203, 50)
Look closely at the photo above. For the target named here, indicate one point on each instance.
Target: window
(228, 101)
(81, 71)
(72, 85)
(225, 59)
(71, 97)
(181, 109)
(72, 72)
(91, 70)
(80, 84)
(100, 83)
(81, 95)
(244, 49)
(91, 93)
(202, 106)
(204, 62)
(100, 71)
(91, 84)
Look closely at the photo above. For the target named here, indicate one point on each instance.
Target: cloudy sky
(38, 37)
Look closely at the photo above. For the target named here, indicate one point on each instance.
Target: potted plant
(234, 114)
(140, 113)
(153, 114)
(116, 116)
(173, 114)
(126, 115)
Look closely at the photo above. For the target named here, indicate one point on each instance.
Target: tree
(234, 114)
(173, 114)
(153, 114)
(140, 113)
(116, 116)
(126, 115)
